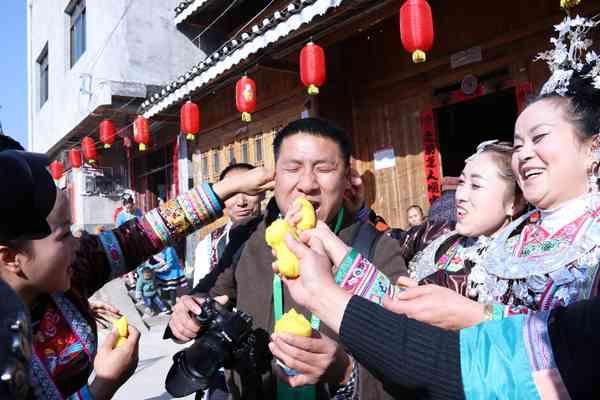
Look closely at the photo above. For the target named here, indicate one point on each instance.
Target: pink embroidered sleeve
(358, 276)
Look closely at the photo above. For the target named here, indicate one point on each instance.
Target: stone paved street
(148, 382)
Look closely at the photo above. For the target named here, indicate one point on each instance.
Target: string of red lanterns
(417, 37)
(416, 28)
(312, 73)
(417, 34)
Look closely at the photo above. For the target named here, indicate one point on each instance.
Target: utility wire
(110, 35)
(233, 3)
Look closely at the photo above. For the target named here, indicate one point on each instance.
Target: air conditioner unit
(101, 182)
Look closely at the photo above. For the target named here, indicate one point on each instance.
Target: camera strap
(307, 392)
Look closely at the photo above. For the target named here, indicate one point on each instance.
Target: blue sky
(13, 68)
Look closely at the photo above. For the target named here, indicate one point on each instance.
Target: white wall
(139, 44)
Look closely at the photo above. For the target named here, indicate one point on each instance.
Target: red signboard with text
(432, 156)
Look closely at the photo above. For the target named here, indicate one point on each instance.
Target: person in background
(169, 274)
(129, 210)
(238, 208)
(444, 208)
(415, 215)
(145, 289)
(209, 251)
(127, 213)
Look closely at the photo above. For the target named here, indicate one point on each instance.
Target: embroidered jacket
(535, 283)
(543, 270)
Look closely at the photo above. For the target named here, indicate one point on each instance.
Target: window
(258, 154)
(43, 68)
(76, 11)
(205, 167)
(245, 152)
(216, 162)
(231, 154)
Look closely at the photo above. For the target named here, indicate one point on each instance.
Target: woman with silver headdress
(549, 257)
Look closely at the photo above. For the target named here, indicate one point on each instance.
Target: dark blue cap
(27, 195)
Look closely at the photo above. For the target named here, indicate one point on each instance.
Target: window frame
(216, 163)
(231, 154)
(258, 150)
(43, 64)
(245, 151)
(77, 30)
(204, 167)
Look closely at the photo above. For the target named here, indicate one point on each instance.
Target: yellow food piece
(287, 262)
(276, 232)
(121, 326)
(309, 218)
(294, 323)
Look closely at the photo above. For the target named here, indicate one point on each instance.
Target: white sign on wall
(384, 158)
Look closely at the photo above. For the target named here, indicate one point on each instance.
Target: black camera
(227, 341)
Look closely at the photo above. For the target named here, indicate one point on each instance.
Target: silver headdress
(571, 54)
(481, 147)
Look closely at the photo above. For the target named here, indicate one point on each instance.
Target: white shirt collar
(553, 220)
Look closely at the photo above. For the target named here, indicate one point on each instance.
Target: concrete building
(91, 60)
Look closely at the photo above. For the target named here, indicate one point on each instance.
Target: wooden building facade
(428, 117)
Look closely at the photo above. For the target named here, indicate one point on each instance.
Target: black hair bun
(581, 87)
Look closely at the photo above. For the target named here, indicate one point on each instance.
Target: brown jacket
(250, 284)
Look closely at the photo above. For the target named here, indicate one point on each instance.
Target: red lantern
(189, 119)
(312, 67)
(245, 97)
(416, 28)
(141, 132)
(107, 133)
(89, 149)
(57, 169)
(75, 158)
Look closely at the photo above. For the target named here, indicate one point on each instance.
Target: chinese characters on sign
(431, 155)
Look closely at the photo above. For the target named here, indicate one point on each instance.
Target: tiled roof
(239, 48)
(185, 8)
